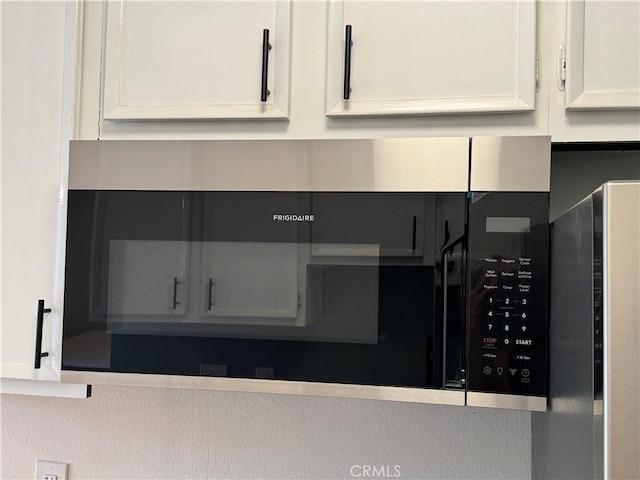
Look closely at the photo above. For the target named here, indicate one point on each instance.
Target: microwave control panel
(507, 293)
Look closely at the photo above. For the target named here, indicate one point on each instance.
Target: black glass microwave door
(126, 255)
(344, 346)
(268, 285)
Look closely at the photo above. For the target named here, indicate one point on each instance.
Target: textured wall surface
(155, 433)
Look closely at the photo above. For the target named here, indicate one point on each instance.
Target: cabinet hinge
(561, 68)
(538, 71)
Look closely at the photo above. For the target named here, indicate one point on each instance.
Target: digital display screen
(508, 224)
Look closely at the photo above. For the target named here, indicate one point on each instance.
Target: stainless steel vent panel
(384, 165)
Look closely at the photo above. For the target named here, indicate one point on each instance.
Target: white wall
(153, 433)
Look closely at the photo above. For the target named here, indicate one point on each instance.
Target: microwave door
(329, 288)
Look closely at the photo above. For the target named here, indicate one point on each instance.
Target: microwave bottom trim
(510, 402)
(368, 392)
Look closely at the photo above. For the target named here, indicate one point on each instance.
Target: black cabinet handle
(175, 293)
(39, 353)
(348, 43)
(266, 46)
(415, 232)
(210, 301)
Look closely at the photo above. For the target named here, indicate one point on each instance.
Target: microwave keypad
(508, 238)
(507, 314)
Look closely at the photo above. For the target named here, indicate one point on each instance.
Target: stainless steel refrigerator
(592, 426)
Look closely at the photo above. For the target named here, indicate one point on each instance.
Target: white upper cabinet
(194, 69)
(148, 277)
(596, 51)
(253, 282)
(196, 60)
(425, 57)
(34, 147)
(603, 55)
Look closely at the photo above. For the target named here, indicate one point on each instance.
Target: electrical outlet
(47, 470)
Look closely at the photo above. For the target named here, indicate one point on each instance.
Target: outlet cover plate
(48, 470)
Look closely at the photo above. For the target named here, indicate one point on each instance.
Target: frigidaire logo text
(292, 218)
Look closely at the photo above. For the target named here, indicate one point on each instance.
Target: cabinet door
(603, 55)
(140, 244)
(254, 282)
(196, 60)
(390, 225)
(410, 58)
(253, 268)
(33, 162)
(148, 277)
(596, 51)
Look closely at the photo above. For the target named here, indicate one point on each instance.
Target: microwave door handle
(444, 271)
(444, 266)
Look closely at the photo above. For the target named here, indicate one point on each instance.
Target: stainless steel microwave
(401, 269)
